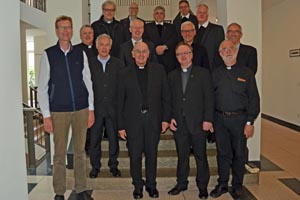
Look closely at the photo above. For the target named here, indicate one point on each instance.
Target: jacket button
(183, 99)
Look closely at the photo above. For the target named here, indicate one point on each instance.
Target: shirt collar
(204, 25)
(187, 16)
(161, 23)
(187, 69)
(134, 41)
(103, 60)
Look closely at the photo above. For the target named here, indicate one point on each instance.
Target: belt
(144, 111)
(230, 113)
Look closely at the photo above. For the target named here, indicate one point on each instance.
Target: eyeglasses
(231, 31)
(187, 31)
(183, 53)
(64, 27)
(109, 10)
(228, 49)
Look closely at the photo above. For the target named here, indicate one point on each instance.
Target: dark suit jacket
(247, 56)
(126, 56)
(177, 22)
(197, 103)
(130, 98)
(90, 52)
(126, 24)
(168, 37)
(212, 38)
(105, 86)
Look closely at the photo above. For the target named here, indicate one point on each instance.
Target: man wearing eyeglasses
(66, 99)
(188, 33)
(192, 116)
(143, 114)
(237, 106)
(133, 12)
(109, 25)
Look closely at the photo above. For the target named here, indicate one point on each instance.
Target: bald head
(140, 53)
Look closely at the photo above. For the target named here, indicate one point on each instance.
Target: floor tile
(293, 184)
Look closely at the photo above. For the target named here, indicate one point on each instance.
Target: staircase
(166, 164)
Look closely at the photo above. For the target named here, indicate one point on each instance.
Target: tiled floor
(279, 176)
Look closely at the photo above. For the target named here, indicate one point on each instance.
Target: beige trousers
(62, 121)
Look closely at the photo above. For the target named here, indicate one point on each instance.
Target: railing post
(30, 137)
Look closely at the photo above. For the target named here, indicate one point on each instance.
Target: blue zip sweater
(67, 91)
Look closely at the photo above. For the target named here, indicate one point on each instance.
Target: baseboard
(281, 122)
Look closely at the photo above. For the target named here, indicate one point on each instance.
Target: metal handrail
(39, 4)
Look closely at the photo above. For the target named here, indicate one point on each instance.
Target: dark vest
(67, 91)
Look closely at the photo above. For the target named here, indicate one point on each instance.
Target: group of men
(138, 79)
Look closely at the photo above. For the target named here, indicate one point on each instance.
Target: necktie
(201, 32)
(159, 28)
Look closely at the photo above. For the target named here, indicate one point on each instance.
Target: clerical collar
(228, 68)
(186, 69)
(141, 68)
(159, 23)
(89, 46)
(108, 21)
(204, 25)
(187, 16)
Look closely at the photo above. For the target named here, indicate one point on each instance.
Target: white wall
(242, 12)
(281, 81)
(13, 182)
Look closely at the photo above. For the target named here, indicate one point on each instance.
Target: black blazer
(126, 24)
(105, 86)
(168, 37)
(211, 40)
(177, 22)
(126, 56)
(247, 56)
(197, 103)
(130, 98)
(90, 52)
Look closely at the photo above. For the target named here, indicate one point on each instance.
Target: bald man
(143, 113)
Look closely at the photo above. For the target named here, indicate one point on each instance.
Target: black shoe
(236, 194)
(218, 191)
(83, 196)
(59, 197)
(153, 192)
(203, 194)
(138, 193)
(176, 190)
(94, 173)
(115, 172)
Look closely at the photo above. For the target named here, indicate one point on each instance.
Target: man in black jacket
(87, 40)
(192, 115)
(105, 71)
(237, 105)
(164, 37)
(109, 25)
(137, 31)
(143, 113)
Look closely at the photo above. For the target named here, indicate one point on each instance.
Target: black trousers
(143, 140)
(184, 140)
(96, 132)
(231, 148)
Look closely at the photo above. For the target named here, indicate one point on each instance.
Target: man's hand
(122, 134)
(173, 125)
(91, 119)
(249, 131)
(207, 126)
(164, 127)
(48, 126)
(160, 49)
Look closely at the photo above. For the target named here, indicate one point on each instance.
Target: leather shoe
(153, 192)
(94, 173)
(176, 190)
(59, 197)
(115, 172)
(218, 191)
(236, 194)
(203, 194)
(83, 196)
(138, 193)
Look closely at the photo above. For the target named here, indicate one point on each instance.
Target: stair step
(166, 179)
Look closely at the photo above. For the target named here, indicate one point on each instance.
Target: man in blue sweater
(66, 99)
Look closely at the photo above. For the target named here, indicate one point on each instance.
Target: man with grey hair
(105, 75)
(137, 31)
(109, 25)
